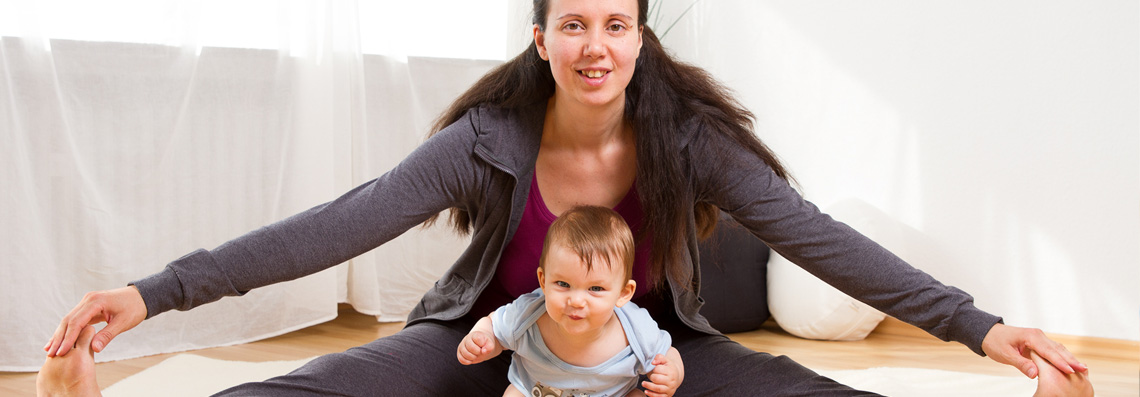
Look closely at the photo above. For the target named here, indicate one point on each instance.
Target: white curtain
(120, 156)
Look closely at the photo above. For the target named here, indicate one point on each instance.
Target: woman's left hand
(1012, 345)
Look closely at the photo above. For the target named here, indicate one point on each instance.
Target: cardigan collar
(510, 137)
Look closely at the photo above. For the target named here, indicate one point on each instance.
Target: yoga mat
(193, 375)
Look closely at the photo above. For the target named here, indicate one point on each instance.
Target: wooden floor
(1114, 364)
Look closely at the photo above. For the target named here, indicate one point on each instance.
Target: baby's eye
(597, 289)
(562, 284)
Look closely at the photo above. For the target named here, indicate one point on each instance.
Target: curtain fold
(404, 96)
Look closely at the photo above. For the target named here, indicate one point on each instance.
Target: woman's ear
(626, 292)
(540, 42)
(640, 30)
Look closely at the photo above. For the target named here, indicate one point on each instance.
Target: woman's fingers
(1012, 345)
(131, 313)
(122, 309)
(1057, 355)
(1054, 353)
(70, 327)
(60, 330)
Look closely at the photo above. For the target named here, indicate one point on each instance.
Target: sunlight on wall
(439, 28)
(838, 136)
(1008, 165)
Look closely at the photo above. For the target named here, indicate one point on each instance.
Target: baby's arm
(667, 374)
(480, 344)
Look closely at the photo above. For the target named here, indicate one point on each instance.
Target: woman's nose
(594, 48)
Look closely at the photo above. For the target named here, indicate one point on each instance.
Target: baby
(579, 334)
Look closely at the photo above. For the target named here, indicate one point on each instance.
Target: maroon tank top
(519, 262)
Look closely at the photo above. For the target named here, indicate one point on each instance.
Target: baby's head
(596, 235)
(585, 269)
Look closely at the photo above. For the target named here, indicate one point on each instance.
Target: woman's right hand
(121, 308)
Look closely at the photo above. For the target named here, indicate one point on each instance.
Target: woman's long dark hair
(662, 96)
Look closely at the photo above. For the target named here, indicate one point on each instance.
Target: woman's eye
(573, 26)
(562, 284)
(617, 27)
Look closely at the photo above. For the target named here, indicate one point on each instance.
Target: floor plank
(1114, 364)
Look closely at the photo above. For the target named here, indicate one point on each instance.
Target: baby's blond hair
(593, 233)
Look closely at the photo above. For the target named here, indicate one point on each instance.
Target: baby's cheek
(552, 308)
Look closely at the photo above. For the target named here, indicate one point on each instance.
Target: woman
(567, 122)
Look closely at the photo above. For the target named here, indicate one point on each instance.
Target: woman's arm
(742, 185)
(439, 174)
(732, 178)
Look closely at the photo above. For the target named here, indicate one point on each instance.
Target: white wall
(1001, 138)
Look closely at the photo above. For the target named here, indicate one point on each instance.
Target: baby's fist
(475, 348)
(664, 379)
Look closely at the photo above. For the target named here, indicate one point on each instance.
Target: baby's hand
(477, 347)
(664, 379)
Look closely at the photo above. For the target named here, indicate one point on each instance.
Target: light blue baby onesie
(533, 365)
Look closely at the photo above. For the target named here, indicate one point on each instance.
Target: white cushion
(807, 307)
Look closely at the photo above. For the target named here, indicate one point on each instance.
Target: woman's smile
(594, 77)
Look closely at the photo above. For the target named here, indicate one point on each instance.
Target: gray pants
(420, 361)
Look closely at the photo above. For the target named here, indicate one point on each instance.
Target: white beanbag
(807, 307)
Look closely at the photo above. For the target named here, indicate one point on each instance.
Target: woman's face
(592, 46)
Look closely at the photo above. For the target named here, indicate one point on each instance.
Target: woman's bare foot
(1053, 382)
(72, 374)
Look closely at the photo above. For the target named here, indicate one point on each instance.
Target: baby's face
(581, 301)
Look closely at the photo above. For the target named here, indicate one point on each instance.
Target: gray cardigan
(477, 163)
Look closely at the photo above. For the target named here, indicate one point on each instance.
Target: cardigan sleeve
(733, 178)
(437, 175)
